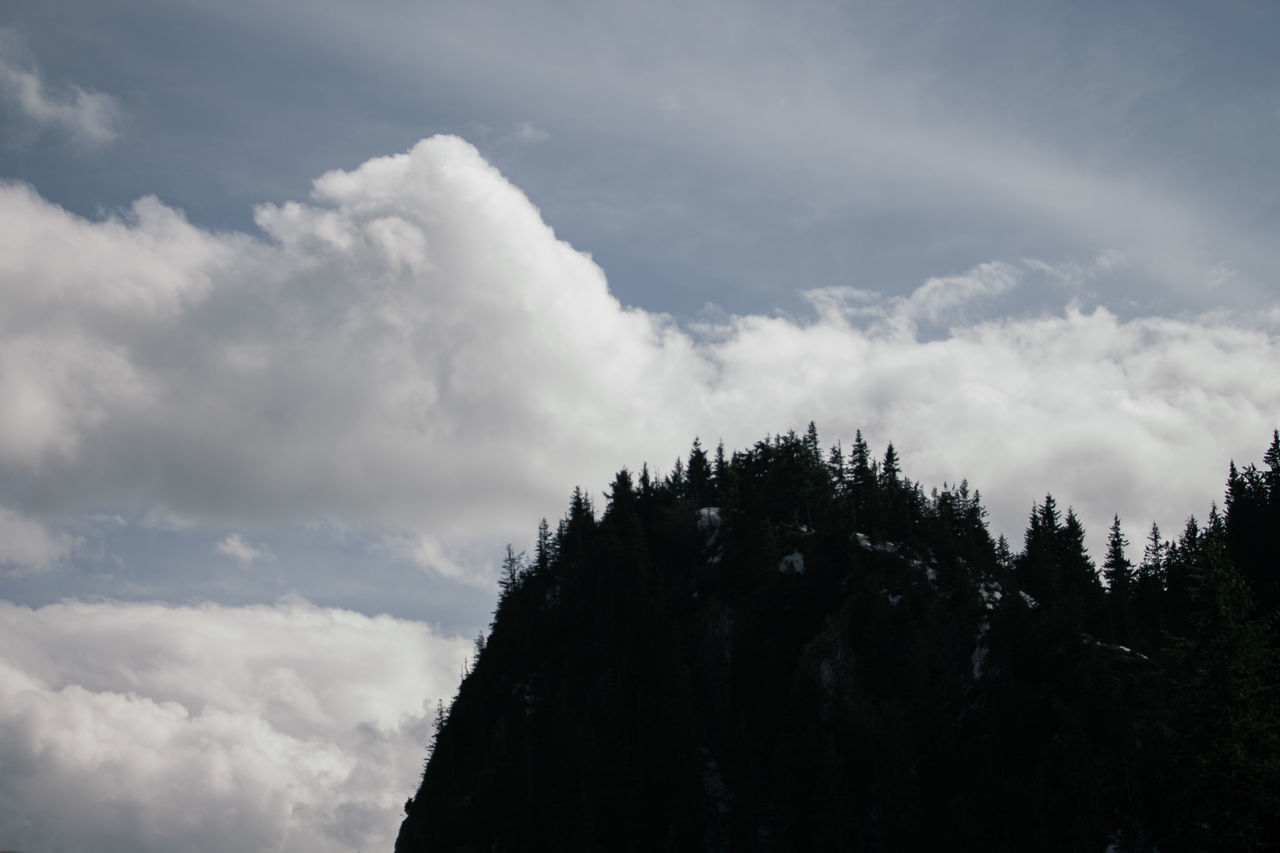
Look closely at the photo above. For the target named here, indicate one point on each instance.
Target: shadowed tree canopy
(791, 649)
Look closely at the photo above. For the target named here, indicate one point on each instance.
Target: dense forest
(801, 649)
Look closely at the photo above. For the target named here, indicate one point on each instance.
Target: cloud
(412, 357)
(241, 551)
(143, 727)
(527, 131)
(91, 119)
(27, 547)
(412, 352)
(1025, 147)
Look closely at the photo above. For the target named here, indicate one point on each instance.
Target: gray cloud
(27, 547)
(90, 119)
(158, 723)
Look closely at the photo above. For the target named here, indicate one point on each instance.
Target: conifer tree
(1253, 527)
(1272, 460)
(1080, 577)
(511, 573)
(720, 467)
(676, 480)
(811, 442)
(1118, 572)
(890, 470)
(1037, 569)
(1117, 569)
(699, 476)
(836, 468)
(860, 473)
(1004, 554)
(1153, 557)
(545, 547)
(1224, 733)
(621, 494)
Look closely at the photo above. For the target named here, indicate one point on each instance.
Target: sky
(307, 309)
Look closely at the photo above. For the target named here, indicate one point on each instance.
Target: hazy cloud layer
(285, 727)
(412, 351)
(26, 546)
(1099, 127)
(90, 119)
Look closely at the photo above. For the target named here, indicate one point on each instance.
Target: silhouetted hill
(792, 649)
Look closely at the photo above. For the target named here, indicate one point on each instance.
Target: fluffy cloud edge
(143, 726)
(415, 351)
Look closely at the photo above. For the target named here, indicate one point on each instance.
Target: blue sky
(308, 308)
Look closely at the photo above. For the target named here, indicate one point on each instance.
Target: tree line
(791, 648)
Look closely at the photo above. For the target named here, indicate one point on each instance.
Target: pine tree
(720, 467)
(1153, 557)
(1272, 460)
(836, 469)
(1118, 572)
(1080, 577)
(1004, 555)
(890, 470)
(811, 442)
(1117, 569)
(699, 476)
(545, 548)
(1037, 570)
(621, 495)
(862, 486)
(1224, 732)
(860, 474)
(512, 572)
(1253, 527)
(676, 480)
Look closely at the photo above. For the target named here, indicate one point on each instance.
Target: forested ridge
(798, 648)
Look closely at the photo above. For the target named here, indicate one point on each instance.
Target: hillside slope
(791, 650)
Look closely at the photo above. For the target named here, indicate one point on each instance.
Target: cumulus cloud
(143, 727)
(91, 119)
(413, 351)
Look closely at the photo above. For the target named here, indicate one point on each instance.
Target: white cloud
(413, 353)
(289, 727)
(27, 547)
(241, 551)
(91, 119)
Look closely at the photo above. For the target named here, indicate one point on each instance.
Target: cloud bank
(145, 727)
(413, 351)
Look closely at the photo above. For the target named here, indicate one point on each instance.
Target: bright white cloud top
(413, 351)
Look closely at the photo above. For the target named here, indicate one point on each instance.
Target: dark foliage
(789, 649)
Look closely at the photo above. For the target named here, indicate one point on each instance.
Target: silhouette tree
(1119, 575)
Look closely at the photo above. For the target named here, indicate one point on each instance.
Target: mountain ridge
(788, 649)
